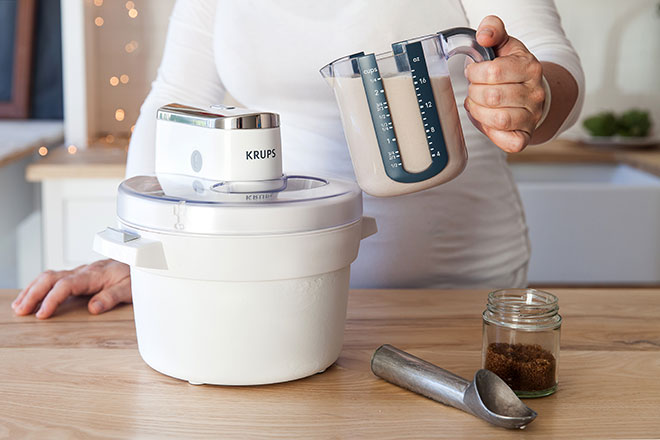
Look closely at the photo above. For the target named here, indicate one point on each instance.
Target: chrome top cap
(218, 116)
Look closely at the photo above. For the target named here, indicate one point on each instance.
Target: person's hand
(108, 280)
(505, 96)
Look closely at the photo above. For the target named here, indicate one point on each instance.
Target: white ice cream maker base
(239, 274)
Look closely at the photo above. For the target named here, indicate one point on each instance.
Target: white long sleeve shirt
(267, 54)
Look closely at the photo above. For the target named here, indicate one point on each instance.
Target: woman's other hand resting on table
(108, 280)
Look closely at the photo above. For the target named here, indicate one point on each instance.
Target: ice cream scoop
(487, 396)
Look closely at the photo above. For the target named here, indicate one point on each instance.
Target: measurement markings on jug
(381, 117)
(383, 125)
(425, 97)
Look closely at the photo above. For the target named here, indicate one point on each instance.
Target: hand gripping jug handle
(464, 41)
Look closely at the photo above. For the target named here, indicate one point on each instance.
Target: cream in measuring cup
(399, 112)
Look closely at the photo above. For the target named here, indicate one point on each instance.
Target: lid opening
(251, 186)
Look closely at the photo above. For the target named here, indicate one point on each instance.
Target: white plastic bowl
(238, 310)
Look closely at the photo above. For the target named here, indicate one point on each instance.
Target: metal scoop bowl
(487, 396)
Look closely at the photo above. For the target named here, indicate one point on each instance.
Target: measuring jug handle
(464, 41)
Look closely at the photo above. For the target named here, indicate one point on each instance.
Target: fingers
(509, 128)
(37, 291)
(509, 95)
(77, 283)
(109, 297)
(501, 118)
(491, 32)
(22, 294)
(505, 96)
(51, 288)
(509, 141)
(506, 70)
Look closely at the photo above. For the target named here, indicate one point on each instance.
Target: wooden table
(79, 376)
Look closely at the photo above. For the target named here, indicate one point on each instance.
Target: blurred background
(73, 74)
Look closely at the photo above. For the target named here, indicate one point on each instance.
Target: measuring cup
(399, 112)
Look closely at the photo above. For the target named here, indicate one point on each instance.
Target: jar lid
(288, 205)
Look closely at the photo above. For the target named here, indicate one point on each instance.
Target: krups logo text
(260, 154)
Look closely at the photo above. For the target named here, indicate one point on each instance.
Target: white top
(267, 54)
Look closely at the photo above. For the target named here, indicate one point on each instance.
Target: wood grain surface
(566, 151)
(80, 376)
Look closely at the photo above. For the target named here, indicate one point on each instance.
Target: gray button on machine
(196, 161)
(198, 187)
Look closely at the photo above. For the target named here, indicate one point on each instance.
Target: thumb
(109, 297)
(491, 32)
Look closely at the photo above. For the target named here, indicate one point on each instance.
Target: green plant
(602, 124)
(632, 123)
(635, 123)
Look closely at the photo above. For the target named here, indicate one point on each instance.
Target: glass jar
(521, 330)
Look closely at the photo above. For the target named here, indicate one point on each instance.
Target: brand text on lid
(260, 154)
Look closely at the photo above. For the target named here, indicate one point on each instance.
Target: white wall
(619, 45)
(18, 199)
(106, 57)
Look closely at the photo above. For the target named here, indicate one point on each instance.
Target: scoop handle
(421, 377)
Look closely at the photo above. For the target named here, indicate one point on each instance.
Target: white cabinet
(73, 210)
(591, 224)
(78, 199)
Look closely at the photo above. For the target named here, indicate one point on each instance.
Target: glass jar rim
(523, 309)
(533, 299)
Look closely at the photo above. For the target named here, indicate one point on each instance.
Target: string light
(98, 2)
(72, 149)
(131, 46)
(99, 21)
(43, 151)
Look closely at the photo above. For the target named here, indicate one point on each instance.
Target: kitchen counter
(110, 162)
(77, 375)
(566, 151)
(87, 163)
(21, 138)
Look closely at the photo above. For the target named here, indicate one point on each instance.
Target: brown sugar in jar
(521, 330)
(522, 366)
